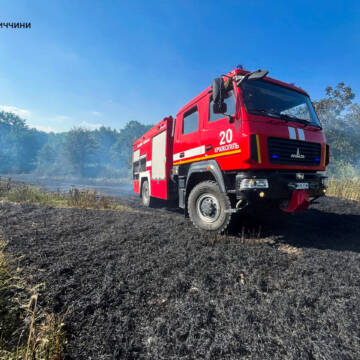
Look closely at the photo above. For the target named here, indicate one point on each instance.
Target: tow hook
(241, 204)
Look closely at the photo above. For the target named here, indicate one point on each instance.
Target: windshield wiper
(285, 117)
(269, 113)
(301, 121)
(293, 118)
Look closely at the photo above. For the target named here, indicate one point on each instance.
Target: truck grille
(293, 152)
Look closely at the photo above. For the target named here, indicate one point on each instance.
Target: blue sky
(92, 63)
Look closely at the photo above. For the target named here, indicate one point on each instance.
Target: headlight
(254, 184)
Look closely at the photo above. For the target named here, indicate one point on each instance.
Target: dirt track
(146, 285)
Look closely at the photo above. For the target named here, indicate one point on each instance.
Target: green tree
(341, 120)
(79, 148)
(106, 138)
(121, 151)
(18, 144)
(12, 120)
(46, 157)
(331, 108)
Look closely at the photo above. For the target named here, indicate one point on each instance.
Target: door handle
(208, 147)
(182, 154)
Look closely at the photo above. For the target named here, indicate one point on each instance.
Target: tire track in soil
(145, 284)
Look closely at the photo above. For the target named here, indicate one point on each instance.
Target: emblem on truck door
(297, 155)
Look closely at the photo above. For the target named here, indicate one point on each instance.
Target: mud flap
(299, 201)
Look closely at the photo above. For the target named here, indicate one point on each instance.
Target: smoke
(93, 156)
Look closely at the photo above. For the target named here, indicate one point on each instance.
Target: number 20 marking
(226, 137)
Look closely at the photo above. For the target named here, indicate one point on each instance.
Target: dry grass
(26, 332)
(87, 199)
(291, 250)
(74, 198)
(10, 314)
(46, 336)
(345, 189)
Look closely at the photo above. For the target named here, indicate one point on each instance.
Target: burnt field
(144, 284)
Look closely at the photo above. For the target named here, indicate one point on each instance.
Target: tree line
(106, 152)
(103, 152)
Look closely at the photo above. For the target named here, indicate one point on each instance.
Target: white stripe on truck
(190, 153)
(292, 133)
(301, 134)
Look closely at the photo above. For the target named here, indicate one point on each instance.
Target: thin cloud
(15, 110)
(96, 113)
(60, 118)
(90, 126)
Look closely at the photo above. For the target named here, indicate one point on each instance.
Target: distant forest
(103, 152)
(106, 152)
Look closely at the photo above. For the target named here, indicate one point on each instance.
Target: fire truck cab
(248, 142)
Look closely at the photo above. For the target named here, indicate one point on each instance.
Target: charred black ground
(145, 284)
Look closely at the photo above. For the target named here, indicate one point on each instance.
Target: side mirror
(218, 95)
(219, 108)
(258, 74)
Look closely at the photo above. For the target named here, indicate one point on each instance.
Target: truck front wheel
(208, 207)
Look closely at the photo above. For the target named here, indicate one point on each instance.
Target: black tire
(145, 194)
(208, 207)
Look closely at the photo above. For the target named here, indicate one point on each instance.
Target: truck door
(188, 147)
(219, 136)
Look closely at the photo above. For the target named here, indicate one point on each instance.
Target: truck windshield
(268, 99)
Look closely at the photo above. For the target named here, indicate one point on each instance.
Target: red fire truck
(248, 142)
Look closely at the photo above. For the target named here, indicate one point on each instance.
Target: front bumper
(281, 185)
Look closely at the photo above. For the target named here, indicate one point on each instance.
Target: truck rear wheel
(145, 194)
(208, 206)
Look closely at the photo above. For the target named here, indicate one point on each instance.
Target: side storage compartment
(159, 182)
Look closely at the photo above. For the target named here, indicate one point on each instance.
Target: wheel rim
(145, 193)
(208, 208)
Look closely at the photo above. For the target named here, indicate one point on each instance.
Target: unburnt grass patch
(76, 198)
(345, 188)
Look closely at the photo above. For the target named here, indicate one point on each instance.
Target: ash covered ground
(144, 284)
